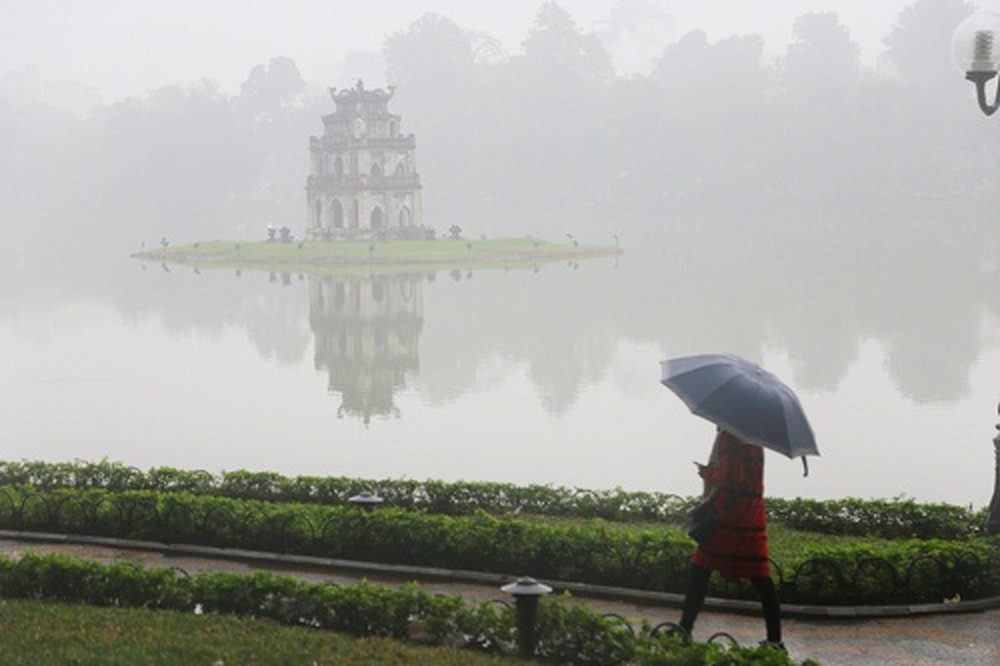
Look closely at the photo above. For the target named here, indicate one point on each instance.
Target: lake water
(890, 336)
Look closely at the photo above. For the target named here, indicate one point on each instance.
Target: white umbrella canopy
(744, 399)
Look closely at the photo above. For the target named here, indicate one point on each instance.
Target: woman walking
(736, 546)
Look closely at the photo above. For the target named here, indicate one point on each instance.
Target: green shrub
(903, 571)
(566, 633)
(892, 518)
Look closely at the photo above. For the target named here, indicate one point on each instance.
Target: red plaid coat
(737, 547)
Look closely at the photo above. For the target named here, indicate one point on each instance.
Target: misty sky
(126, 47)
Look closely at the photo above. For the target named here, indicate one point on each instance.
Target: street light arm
(981, 79)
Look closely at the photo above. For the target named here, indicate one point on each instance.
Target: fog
(132, 121)
(818, 169)
(126, 49)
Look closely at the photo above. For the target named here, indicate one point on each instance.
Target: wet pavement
(942, 639)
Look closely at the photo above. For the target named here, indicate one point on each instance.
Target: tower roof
(359, 94)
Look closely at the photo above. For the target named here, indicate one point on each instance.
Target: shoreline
(292, 257)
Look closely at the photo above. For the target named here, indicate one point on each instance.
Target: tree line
(508, 142)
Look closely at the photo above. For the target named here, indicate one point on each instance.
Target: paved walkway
(920, 639)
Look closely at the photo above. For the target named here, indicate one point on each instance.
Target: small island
(364, 210)
(334, 256)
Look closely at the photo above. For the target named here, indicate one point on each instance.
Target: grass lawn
(53, 633)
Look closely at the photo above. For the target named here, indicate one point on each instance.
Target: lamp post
(993, 520)
(975, 46)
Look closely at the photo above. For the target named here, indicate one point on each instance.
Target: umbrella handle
(805, 466)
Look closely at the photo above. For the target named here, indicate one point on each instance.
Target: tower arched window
(377, 218)
(338, 215)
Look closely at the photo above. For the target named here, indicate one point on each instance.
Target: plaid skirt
(737, 546)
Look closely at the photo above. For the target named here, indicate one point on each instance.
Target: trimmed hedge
(898, 518)
(638, 558)
(567, 633)
(895, 518)
(905, 571)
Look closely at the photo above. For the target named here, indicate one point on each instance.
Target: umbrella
(744, 399)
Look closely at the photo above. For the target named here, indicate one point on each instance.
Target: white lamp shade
(975, 45)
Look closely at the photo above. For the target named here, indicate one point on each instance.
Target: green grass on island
(315, 256)
(37, 632)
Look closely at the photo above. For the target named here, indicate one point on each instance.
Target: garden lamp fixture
(526, 592)
(976, 49)
(367, 500)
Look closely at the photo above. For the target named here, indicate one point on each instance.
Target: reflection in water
(817, 293)
(367, 330)
(888, 329)
(820, 292)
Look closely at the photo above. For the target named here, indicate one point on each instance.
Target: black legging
(764, 586)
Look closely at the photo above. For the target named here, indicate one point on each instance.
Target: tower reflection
(366, 329)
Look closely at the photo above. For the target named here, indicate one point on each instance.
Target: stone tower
(363, 181)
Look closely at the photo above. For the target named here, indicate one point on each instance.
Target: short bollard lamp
(367, 500)
(975, 46)
(526, 592)
(993, 521)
